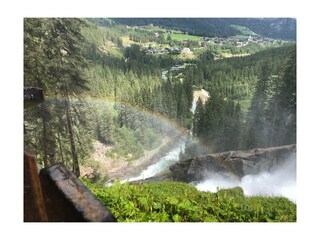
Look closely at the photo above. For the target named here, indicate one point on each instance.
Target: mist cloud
(279, 182)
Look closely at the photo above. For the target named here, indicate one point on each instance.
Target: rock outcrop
(233, 163)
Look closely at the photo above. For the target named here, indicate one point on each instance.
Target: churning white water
(194, 105)
(281, 182)
(162, 165)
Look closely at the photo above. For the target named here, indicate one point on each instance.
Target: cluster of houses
(216, 40)
(239, 42)
(259, 40)
(154, 51)
(168, 50)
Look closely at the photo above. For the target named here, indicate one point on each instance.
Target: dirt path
(120, 168)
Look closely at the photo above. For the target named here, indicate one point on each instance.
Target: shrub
(126, 145)
(180, 202)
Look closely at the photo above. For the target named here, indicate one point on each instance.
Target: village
(155, 40)
(187, 48)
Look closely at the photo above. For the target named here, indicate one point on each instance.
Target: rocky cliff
(233, 163)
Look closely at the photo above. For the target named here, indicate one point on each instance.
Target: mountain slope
(278, 28)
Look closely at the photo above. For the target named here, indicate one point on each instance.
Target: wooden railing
(57, 195)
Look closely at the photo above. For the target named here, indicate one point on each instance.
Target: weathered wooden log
(68, 200)
(34, 208)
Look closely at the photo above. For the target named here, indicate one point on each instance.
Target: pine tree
(282, 109)
(105, 126)
(257, 134)
(198, 119)
(213, 121)
(232, 126)
(288, 100)
(57, 66)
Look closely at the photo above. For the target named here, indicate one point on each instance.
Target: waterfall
(162, 165)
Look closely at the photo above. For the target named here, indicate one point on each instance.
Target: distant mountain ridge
(277, 28)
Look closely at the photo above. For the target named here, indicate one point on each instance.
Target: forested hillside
(72, 60)
(121, 86)
(279, 28)
(120, 97)
(252, 100)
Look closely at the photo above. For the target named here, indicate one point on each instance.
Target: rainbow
(166, 122)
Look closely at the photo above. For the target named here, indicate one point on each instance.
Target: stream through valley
(162, 165)
(172, 156)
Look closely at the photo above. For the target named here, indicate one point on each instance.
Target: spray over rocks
(279, 182)
(261, 171)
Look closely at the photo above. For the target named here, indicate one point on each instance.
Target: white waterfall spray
(280, 182)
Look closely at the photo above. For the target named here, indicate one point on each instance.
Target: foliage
(98, 176)
(250, 104)
(243, 110)
(128, 131)
(126, 145)
(148, 138)
(56, 66)
(179, 202)
(272, 116)
(56, 137)
(64, 57)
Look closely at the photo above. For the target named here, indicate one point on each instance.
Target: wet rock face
(233, 163)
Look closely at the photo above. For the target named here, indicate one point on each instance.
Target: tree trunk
(60, 147)
(44, 135)
(273, 124)
(47, 137)
(75, 165)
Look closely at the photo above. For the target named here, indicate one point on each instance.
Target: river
(172, 156)
(162, 165)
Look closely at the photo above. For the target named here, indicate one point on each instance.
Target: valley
(143, 100)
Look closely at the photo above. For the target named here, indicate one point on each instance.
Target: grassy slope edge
(180, 202)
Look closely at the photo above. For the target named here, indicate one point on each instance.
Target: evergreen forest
(131, 89)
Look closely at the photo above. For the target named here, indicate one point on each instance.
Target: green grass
(180, 202)
(180, 37)
(153, 28)
(245, 31)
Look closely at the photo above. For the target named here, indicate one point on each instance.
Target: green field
(245, 31)
(180, 37)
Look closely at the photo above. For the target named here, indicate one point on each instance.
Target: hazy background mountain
(278, 28)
